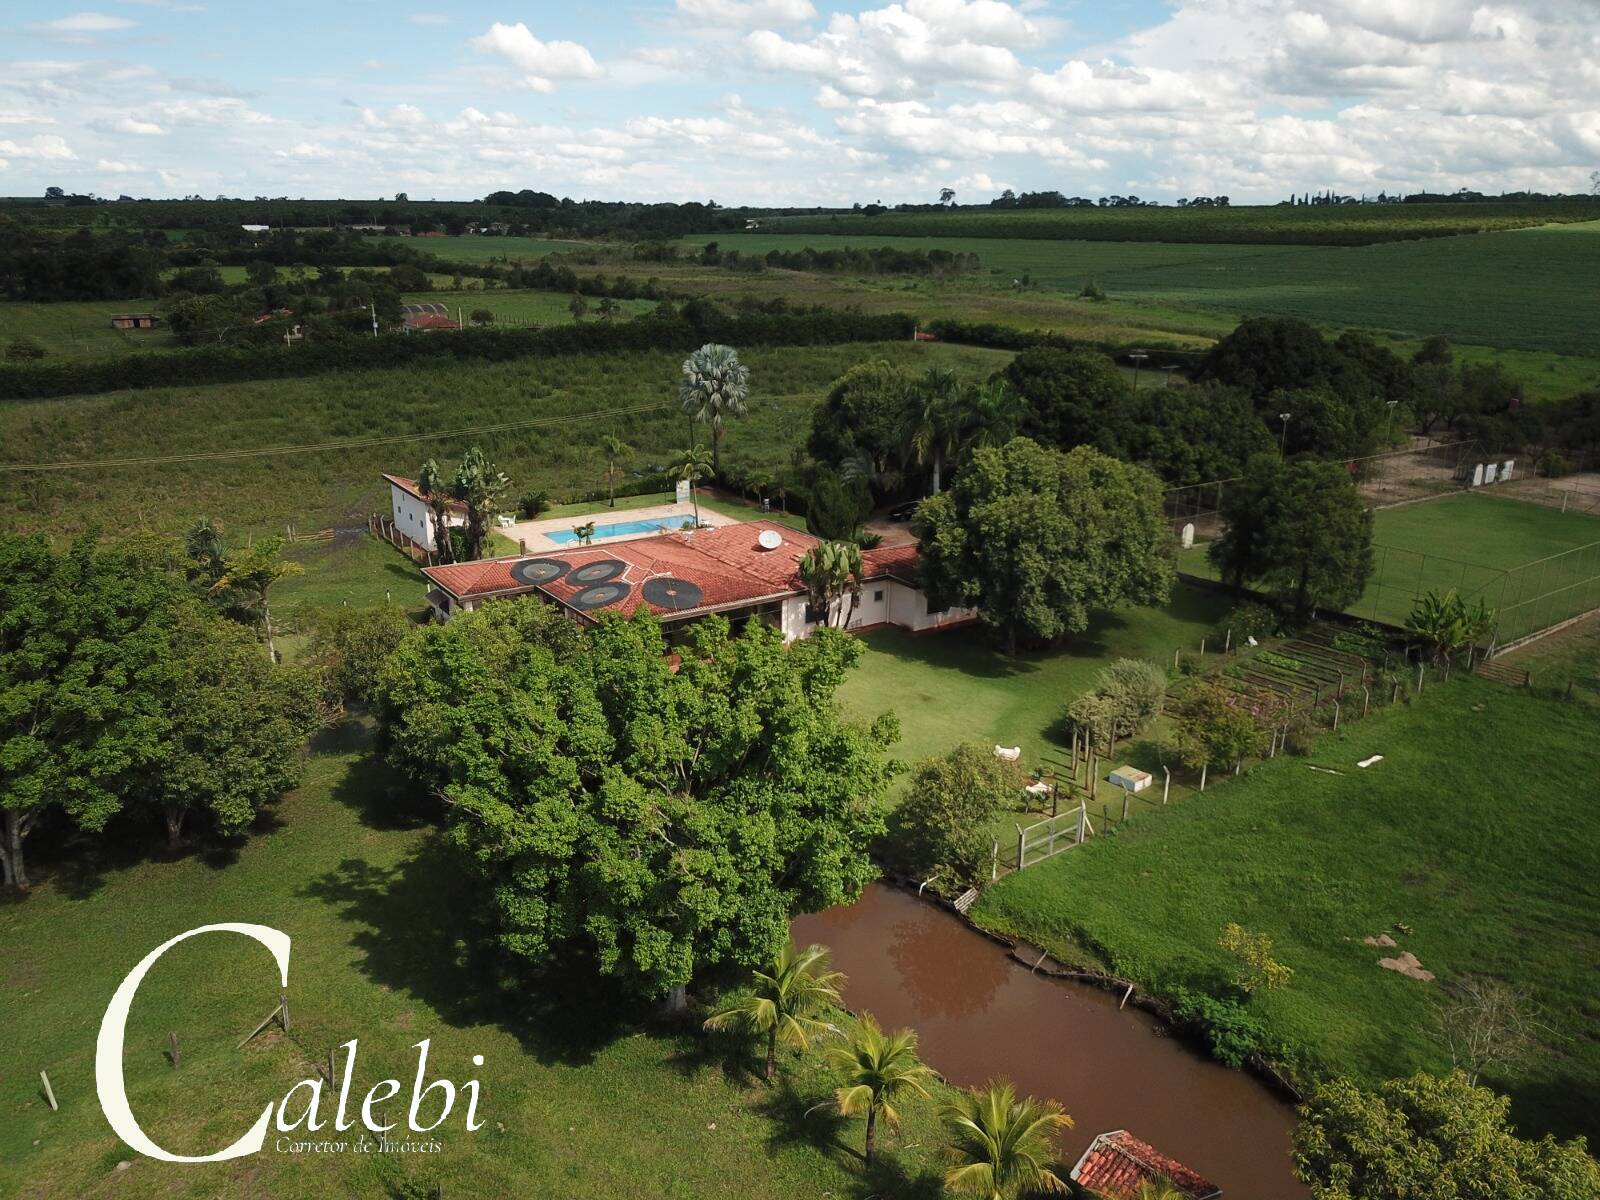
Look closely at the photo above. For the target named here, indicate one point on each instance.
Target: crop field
(473, 248)
(1471, 543)
(1427, 845)
(1528, 289)
(1338, 225)
(339, 487)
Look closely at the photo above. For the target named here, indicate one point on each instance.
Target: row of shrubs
(229, 364)
(1008, 337)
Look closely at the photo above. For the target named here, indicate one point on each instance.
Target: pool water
(622, 529)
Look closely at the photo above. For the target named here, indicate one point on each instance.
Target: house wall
(414, 518)
(883, 602)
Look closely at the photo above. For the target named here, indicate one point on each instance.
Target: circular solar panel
(598, 571)
(600, 595)
(666, 592)
(539, 570)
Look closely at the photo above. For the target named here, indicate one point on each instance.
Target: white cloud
(541, 64)
(87, 22)
(112, 166)
(746, 13)
(43, 147)
(128, 125)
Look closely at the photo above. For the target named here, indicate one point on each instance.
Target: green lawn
(1468, 542)
(354, 570)
(956, 686)
(1448, 835)
(579, 1097)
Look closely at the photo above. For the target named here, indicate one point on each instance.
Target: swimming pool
(621, 529)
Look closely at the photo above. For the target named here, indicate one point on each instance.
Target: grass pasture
(475, 248)
(1493, 880)
(521, 307)
(580, 1095)
(313, 490)
(79, 329)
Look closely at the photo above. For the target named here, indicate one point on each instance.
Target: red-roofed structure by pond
(1117, 1163)
(743, 570)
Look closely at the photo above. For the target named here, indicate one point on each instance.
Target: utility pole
(374, 309)
(1283, 441)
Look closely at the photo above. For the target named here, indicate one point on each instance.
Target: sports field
(1480, 546)
(1527, 288)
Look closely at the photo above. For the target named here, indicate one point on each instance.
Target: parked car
(904, 512)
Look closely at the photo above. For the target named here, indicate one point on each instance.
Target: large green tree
(1298, 528)
(235, 725)
(1038, 541)
(942, 826)
(84, 636)
(1074, 397)
(861, 418)
(1431, 1138)
(651, 821)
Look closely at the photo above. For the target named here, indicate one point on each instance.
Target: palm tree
(613, 448)
(480, 487)
(1158, 1189)
(252, 572)
(991, 413)
(932, 428)
(435, 490)
(877, 1069)
(1000, 1146)
(829, 570)
(785, 1000)
(693, 465)
(715, 386)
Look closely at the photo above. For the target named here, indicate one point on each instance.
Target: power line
(349, 444)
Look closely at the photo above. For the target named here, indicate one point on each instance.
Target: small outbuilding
(1117, 1164)
(135, 321)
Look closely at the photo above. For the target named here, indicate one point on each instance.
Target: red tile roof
(410, 486)
(727, 563)
(1115, 1164)
(427, 321)
(899, 562)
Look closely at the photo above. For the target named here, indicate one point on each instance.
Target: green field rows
(317, 489)
(1527, 289)
(1347, 225)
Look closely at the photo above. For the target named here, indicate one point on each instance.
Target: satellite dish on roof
(769, 539)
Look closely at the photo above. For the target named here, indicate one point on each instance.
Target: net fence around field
(1527, 598)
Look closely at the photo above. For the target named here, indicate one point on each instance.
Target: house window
(877, 596)
(815, 614)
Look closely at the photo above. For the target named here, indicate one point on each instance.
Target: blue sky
(792, 101)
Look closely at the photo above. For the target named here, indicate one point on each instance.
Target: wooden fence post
(49, 1092)
(283, 1010)
(172, 1047)
(1166, 785)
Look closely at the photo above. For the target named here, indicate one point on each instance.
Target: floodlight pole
(1391, 404)
(1283, 441)
(1138, 356)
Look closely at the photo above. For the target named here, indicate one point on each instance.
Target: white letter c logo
(108, 1050)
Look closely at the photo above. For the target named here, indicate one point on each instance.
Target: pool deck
(535, 533)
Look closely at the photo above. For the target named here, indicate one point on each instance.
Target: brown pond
(981, 1014)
